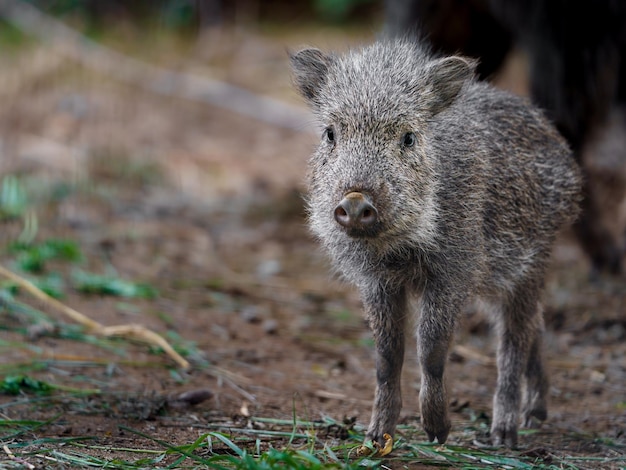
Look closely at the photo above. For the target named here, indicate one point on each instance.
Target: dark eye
(329, 134)
(409, 139)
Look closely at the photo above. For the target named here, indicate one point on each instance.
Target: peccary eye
(329, 134)
(409, 139)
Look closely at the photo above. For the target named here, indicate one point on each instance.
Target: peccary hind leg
(519, 355)
(534, 409)
(386, 311)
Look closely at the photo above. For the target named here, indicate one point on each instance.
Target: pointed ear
(447, 76)
(309, 68)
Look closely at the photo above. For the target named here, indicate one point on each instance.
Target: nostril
(368, 214)
(340, 211)
(341, 216)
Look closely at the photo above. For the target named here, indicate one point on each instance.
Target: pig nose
(356, 211)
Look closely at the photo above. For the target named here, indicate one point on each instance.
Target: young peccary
(428, 184)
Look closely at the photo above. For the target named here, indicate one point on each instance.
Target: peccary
(430, 185)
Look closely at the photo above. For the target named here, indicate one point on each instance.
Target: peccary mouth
(363, 232)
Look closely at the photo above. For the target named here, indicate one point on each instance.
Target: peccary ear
(447, 76)
(309, 68)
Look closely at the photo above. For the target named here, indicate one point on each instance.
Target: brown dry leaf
(379, 451)
(189, 398)
(388, 446)
(364, 451)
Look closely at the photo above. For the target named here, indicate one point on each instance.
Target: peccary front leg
(386, 310)
(519, 328)
(434, 334)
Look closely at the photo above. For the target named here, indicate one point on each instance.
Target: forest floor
(204, 208)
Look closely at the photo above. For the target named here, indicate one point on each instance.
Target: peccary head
(372, 179)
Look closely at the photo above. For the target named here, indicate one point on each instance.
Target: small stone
(270, 326)
(250, 314)
(268, 268)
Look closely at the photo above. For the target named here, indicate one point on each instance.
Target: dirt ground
(206, 205)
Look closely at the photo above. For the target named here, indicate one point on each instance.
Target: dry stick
(16, 459)
(22, 74)
(469, 353)
(136, 332)
(76, 46)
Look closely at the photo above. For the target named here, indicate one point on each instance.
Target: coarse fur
(576, 56)
(470, 185)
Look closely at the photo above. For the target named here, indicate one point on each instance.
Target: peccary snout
(355, 211)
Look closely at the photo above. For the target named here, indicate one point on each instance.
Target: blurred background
(174, 54)
(160, 141)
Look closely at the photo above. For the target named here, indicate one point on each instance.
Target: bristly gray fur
(469, 209)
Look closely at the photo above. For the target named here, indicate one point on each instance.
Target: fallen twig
(136, 332)
(469, 353)
(17, 459)
(75, 46)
